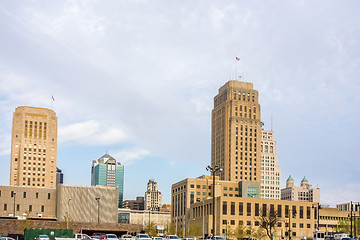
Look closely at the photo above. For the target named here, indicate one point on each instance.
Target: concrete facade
(270, 169)
(33, 147)
(236, 132)
(81, 204)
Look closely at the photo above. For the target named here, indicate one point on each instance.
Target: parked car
(141, 236)
(43, 237)
(101, 235)
(187, 239)
(210, 237)
(157, 238)
(126, 237)
(111, 237)
(96, 237)
(167, 237)
(6, 238)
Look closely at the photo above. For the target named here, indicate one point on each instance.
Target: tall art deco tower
(236, 132)
(33, 147)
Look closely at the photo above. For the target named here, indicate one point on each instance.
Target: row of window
(30, 208)
(24, 194)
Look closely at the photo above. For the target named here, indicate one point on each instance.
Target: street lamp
(98, 201)
(14, 194)
(294, 214)
(318, 217)
(67, 217)
(213, 171)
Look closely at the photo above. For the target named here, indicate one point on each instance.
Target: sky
(137, 78)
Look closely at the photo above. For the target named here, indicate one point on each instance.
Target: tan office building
(33, 147)
(236, 132)
(270, 169)
(27, 201)
(192, 205)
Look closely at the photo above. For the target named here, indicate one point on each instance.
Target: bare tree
(268, 222)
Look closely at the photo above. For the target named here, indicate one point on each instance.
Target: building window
(48, 195)
(192, 186)
(248, 223)
(37, 195)
(224, 222)
(256, 209)
(224, 208)
(232, 222)
(5, 207)
(248, 209)
(241, 208)
(279, 211)
(18, 207)
(30, 208)
(232, 210)
(24, 195)
(42, 208)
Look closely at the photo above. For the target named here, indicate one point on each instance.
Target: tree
(150, 229)
(268, 222)
(259, 233)
(67, 222)
(170, 229)
(240, 232)
(194, 230)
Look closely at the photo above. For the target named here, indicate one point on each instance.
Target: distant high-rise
(33, 147)
(236, 132)
(304, 193)
(270, 169)
(153, 197)
(59, 176)
(106, 171)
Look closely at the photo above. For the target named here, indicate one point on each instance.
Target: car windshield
(143, 236)
(111, 236)
(43, 236)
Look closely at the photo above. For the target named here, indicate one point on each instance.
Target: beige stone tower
(236, 132)
(33, 147)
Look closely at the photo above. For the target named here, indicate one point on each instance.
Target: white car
(142, 236)
(111, 237)
(157, 238)
(126, 237)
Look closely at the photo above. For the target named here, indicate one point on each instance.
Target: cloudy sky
(137, 79)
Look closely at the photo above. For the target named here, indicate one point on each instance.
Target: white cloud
(90, 132)
(127, 157)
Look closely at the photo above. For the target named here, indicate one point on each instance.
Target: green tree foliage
(170, 229)
(150, 229)
(240, 232)
(194, 230)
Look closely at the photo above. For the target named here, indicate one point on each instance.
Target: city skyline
(140, 84)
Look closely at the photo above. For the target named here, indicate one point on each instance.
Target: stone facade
(33, 147)
(153, 197)
(304, 192)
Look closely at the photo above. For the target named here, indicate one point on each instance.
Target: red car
(101, 235)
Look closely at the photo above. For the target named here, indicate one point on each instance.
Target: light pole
(98, 201)
(14, 194)
(213, 171)
(67, 217)
(318, 217)
(294, 213)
